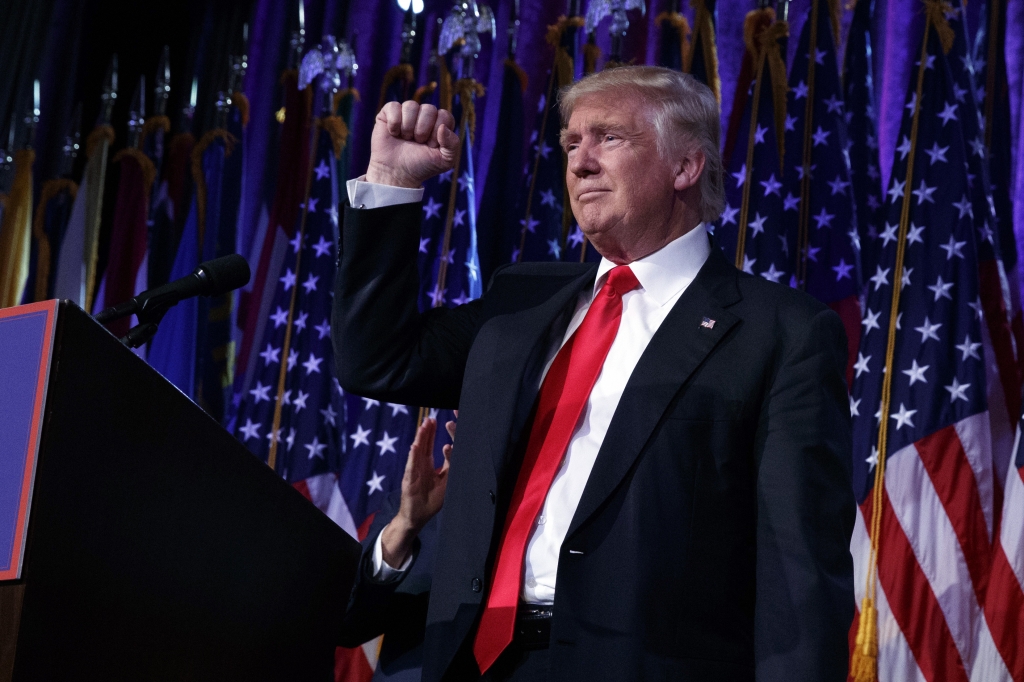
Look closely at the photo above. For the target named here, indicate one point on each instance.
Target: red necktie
(563, 395)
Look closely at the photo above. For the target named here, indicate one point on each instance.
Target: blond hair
(685, 116)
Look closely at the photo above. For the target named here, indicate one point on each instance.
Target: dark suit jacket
(712, 538)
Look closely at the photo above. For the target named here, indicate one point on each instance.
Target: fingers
(422, 448)
(450, 427)
(391, 115)
(445, 118)
(447, 141)
(410, 112)
(425, 122)
(447, 450)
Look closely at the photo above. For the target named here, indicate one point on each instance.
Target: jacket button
(491, 493)
(476, 584)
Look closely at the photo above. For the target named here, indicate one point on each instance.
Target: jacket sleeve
(384, 347)
(375, 608)
(805, 512)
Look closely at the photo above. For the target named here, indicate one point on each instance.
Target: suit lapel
(678, 348)
(518, 360)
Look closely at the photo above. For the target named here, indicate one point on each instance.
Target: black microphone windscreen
(224, 274)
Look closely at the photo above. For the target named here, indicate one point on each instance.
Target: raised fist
(411, 143)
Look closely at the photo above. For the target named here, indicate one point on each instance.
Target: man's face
(618, 183)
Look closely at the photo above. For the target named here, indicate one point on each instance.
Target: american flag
(543, 206)
(750, 229)
(1005, 601)
(292, 414)
(819, 214)
(922, 467)
(1003, 378)
(992, 94)
(862, 132)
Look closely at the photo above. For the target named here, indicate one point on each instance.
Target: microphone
(212, 278)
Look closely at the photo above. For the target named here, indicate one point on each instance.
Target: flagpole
(286, 346)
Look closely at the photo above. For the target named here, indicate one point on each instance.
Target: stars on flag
(432, 209)
(928, 331)
(386, 444)
(375, 483)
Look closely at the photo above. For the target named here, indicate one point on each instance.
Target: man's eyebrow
(594, 128)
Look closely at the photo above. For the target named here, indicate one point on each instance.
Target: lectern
(138, 539)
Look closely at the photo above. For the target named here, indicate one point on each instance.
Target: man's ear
(689, 170)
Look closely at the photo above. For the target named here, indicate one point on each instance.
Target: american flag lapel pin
(708, 323)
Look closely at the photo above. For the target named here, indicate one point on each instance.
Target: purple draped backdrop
(377, 23)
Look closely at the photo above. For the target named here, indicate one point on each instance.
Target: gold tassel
(444, 86)
(152, 124)
(864, 662)
(762, 41)
(336, 128)
(591, 53)
(399, 72)
(424, 91)
(937, 11)
(520, 74)
(467, 89)
(16, 231)
(99, 134)
(241, 102)
(704, 26)
(342, 94)
(199, 177)
(148, 169)
(555, 30)
(833, 17)
(51, 188)
(682, 27)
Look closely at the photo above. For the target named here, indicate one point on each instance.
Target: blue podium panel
(26, 341)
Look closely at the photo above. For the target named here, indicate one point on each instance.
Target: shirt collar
(670, 269)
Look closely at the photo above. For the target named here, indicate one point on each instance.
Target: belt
(533, 626)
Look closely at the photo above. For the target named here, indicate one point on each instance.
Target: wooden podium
(144, 542)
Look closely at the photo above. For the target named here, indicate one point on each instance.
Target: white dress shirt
(663, 275)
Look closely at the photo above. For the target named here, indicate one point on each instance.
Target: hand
(423, 489)
(411, 143)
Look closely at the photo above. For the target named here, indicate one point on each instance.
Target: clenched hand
(411, 143)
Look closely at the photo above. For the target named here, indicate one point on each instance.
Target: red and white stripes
(938, 571)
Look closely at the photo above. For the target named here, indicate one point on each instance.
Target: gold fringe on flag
(342, 94)
(241, 102)
(336, 128)
(16, 231)
(99, 134)
(864, 661)
(399, 72)
(51, 188)
(682, 27)
(152, 124)
(704, 33)
(199, 177)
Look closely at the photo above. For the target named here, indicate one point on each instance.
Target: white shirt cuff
(362, 194)
(382, 572)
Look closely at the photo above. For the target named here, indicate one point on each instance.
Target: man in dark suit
(652, 478)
